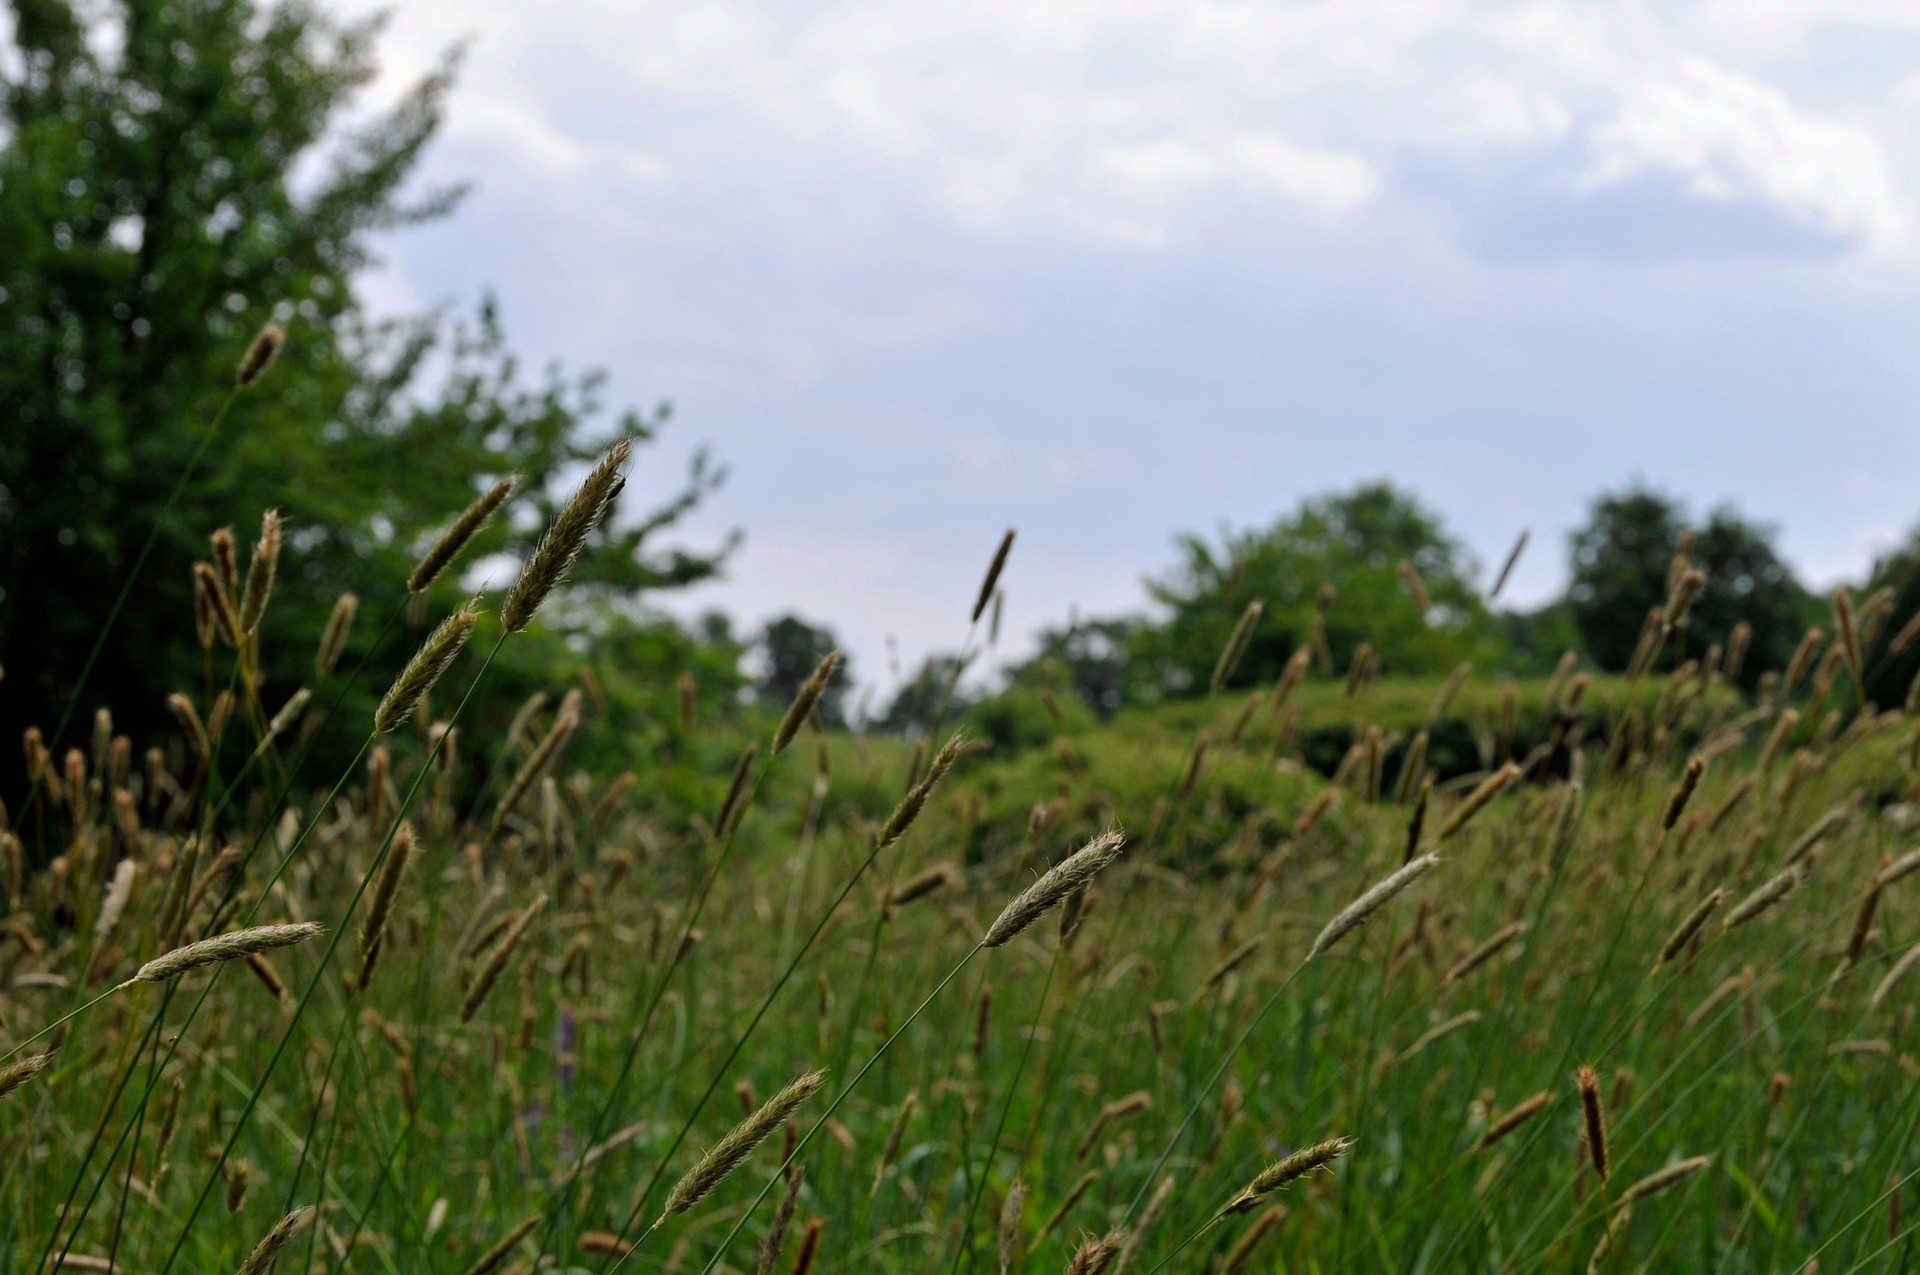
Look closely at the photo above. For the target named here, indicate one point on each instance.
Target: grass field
(585, 982)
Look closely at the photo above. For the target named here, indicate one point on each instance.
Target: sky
(1106, 272)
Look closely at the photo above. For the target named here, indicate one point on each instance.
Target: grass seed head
(732, 1150)
(224, 947)
(1521, 1112)
(1376, 897)
(1012, 1210)
(261, 569)
(803, 702)
(211, 593)
(1661, 1179)
(1594, 1118)
(782, 1219)
(1683, 933)
(504, 1246)
(1095, 1256)
(1070, 874)
(1765, 897)
(261, 352)
(261, 1259)
(992, 580)
(13, 1075)
(496, 963)
(1682, 793)
(456, 537)
(565, 539)
(1236, 646)
(386, 888)
(1477, 800)
(434, 657)
(1285, 1171)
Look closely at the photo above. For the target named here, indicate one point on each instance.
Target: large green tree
(1354, 541)
(1621, 557)
(150, 222)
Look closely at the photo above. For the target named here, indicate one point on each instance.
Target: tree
(935, 693)
(1890, 673)
(1620, 559)
(1096, 659)
(1748, 582)
(790, 650)
(152, 223)
(1622, 556)
(1355, 541)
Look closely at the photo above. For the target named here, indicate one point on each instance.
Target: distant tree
(935, 687)
(1891, 673)
(1355, 541)
(1747, 581)
(1096, 660)
(790, 649)
(1537, 638)
(172, 176)
(1621, 558)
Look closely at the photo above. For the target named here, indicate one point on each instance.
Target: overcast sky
(1106, 271)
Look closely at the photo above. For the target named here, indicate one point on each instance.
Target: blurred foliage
(790, 649)
(935, 693)
(1354, 541)
(172, 177)
(1359, 554)
(1621, 559)
(1892, 654)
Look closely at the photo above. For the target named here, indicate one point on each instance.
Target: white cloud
(1110, 120)
(501, 120)
(1731, 137)
(1329, 181)
(1502, 110)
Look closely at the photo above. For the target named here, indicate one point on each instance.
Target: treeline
(1370, 581)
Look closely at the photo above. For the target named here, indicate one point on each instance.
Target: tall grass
(1594, 973)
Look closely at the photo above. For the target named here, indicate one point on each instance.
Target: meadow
(1357, 973)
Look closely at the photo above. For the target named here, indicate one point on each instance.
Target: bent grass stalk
(1617, 1033)
(233, 887)
(895, 827)
(964, 1247)
(807, 1137)
(326, 958)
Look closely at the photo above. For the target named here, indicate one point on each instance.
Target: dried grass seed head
(224, 947)
(333, 639)
(732, 1150)
(456, 537)
(219, 602)
(1285, 1171)
(992, 580)
(261, 569)
(1070, 874)
(13, 1075)
(1376, 897)
(261, 1259)
(803, 702)
(1236, 645)
(565, 538)
(261, 352)
(434, 657)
